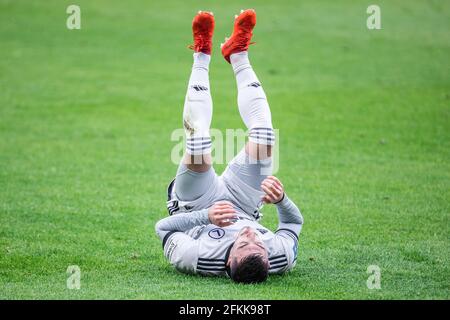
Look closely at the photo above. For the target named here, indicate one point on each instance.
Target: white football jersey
(204, 249)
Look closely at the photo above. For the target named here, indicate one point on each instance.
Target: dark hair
(251, 269)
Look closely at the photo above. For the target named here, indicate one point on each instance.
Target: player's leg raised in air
(195, 174)
(253, 164)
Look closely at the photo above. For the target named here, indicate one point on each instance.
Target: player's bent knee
(258, 151)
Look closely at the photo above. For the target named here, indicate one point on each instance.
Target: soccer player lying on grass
(212, 228)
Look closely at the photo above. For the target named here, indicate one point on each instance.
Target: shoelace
(199, 43)
(242, 40)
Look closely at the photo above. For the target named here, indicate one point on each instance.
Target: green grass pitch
(85, 123)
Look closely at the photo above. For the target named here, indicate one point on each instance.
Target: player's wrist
(282, 198)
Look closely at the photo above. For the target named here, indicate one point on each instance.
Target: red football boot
(202, 30)
(242, 34)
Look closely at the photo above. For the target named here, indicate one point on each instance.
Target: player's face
(248, 242)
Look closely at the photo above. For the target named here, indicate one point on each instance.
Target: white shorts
(240, 184)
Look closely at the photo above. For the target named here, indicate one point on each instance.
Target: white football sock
(197, 112)
(252, 101)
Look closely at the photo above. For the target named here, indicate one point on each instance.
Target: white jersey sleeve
(180, 248)
(283, 253)
(182, 252)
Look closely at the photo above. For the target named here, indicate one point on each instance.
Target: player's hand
(273, 188)
(222, 214)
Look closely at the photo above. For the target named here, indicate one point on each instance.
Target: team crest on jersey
(216, 233)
